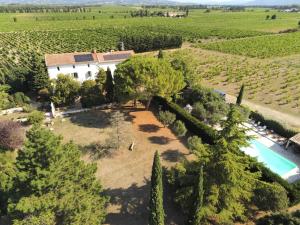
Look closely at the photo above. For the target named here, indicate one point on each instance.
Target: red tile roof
(68, 58)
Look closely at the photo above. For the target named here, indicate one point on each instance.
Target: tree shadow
(161, 140)
(150, 128)
(132, 203)
(92, 119)
(172, 155)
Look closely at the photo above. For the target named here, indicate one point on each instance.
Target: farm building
(84, 65)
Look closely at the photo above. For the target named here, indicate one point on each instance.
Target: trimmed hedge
(276, 126)
(207, 134)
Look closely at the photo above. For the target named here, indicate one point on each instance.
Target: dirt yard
(126, 175)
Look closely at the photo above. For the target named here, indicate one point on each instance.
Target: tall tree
(240, 96)
(39, 78)
(160, 54)
(109, 86)
(53, 184)
(156, 194)
(141, 78)
(198, 194)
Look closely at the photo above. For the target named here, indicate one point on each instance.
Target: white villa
(84, 65)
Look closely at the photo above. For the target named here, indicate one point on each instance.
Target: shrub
(166, 118)
(179, 128)
(273, 125)
(91, 94)
(35, 117)
(20, 99)
(194, 125)
(270, 193)
(278, 219)
(11, 135)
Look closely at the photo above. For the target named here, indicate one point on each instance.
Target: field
(261, 47)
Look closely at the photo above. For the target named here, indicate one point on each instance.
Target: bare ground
(126, 175)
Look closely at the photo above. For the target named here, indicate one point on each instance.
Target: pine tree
(196, 213)
(160, 54)
(240, 96)
(156, 194)
(39, 78)
(109, 86)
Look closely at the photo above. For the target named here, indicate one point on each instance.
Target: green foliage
(144, 77)
(166, 118)
(18, 79)
(280, 219)
(7, 175)
(90, 93)
(240, 96)
(194, 125)
(198, 195)
(179, 128)
(51, 181)
(271, 197)
(35, 117)
(65, 90)
(38, 75)
(160, 54)
(196, 146)
(4, 97)
(208, 105)
(20, 99)
(157, 214)
(274, 125)
(109, 86)
(146, 42)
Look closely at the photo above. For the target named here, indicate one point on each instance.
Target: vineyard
(268, 82)
(262, 47)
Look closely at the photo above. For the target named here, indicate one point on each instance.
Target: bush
(276, 126)
(91, 94)
(179, 128)
(166, 118)
(20, 99)
(35, 117)
(11, 135)
(270, 193)
(279, 219)
(194, 125)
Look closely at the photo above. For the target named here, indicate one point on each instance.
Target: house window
(88, 75)
(58, 68)
(75, 75)
(73, 66)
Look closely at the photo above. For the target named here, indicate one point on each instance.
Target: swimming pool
(271, 159)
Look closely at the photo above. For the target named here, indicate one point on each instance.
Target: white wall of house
(83, 71)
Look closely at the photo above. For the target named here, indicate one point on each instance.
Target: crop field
(262, 47)
(268, 82)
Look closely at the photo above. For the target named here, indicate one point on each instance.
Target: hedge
(274, 125)
(207, 134)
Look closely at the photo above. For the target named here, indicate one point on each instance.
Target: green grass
(261, 47)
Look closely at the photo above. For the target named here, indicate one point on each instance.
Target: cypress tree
(160, 54)
(240, 96)
(196, 215)
(109, 86)
(156, 194)
(38, 76)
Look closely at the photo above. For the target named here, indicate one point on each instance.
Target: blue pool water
(271, 159)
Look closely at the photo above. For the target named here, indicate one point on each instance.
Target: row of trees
(41, 9)
(144, 43)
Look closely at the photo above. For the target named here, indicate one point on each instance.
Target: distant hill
(273, 2)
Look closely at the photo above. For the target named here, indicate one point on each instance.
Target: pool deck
(292, 175)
